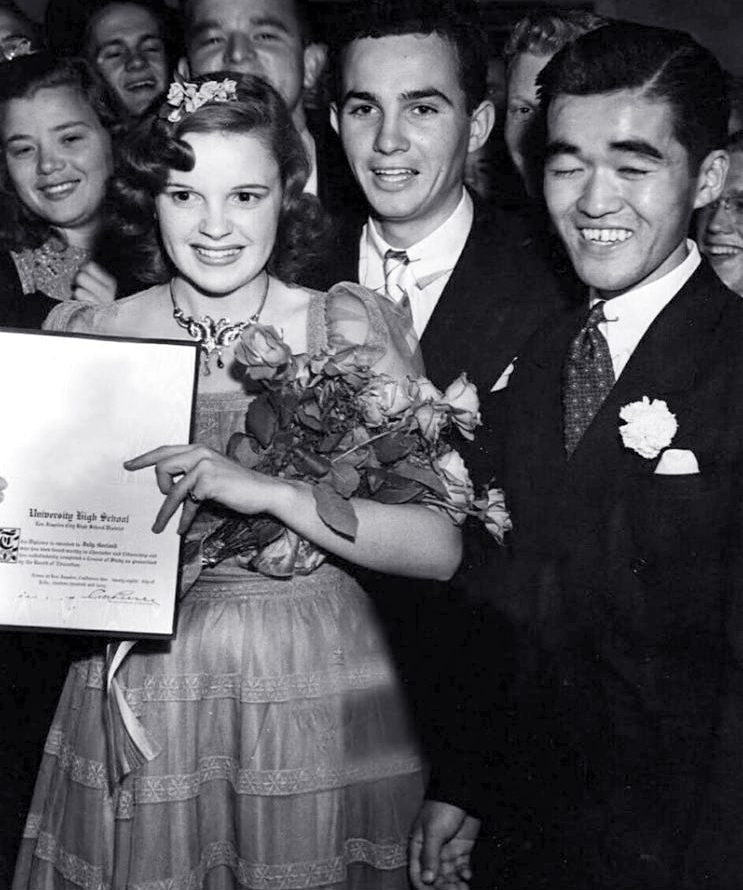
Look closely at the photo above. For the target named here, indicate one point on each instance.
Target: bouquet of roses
(332, 421)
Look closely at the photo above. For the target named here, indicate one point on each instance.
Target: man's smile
(604, 236)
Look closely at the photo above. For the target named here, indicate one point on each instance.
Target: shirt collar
(645, 302)
(431, 256)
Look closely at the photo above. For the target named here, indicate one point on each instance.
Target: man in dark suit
(275, 40)
(621, 453)
(411, 106)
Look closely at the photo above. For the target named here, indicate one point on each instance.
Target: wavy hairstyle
(457, 21)
(22, 79)
(157, 146)
(662, 65)
(545, 32)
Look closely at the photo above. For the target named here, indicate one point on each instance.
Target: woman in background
(55, 163)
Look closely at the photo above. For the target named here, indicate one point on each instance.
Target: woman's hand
(93, 284)
(189, 474)
(402, 539)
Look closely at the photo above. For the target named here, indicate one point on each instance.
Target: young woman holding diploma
(268, 744)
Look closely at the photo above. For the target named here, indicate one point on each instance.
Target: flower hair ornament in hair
(14, 47)
(188, 97)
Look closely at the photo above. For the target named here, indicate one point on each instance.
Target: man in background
(275, 40)
(720, 224)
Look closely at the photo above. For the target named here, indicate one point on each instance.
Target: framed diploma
(76, 548)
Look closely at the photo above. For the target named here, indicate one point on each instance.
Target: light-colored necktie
(588, 376)
(394, 264)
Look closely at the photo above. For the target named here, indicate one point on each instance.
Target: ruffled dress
(286, 759)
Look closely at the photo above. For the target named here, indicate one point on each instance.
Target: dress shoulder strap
(317, 328)
(81, 318)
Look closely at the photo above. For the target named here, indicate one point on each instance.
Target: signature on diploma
(98, 594)
(118, 596)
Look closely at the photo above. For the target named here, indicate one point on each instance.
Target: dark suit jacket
(624, 737)
(501, 289)
(337, 190)
(499, 292)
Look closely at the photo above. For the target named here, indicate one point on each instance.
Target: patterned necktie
(394, 264)
(588, 376)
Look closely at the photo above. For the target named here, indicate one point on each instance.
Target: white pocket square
(502, 381)
(677, 462)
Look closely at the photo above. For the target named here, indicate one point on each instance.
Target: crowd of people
(420, 705)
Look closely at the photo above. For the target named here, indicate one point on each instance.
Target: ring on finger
(193, 498)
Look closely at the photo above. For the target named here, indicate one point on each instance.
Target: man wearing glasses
(720, 224)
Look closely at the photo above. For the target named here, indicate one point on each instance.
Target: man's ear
(334, 121)
(183, 68)
(711, 178)
(315, 55)
(482, 121)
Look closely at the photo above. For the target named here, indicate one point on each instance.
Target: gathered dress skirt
(286, 754)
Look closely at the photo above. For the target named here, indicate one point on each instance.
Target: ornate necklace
(212, 336)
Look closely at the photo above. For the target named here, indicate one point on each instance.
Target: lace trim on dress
(317, 330)
(71, 867)
(258, 690)
(185, 786)
(82, 770)
(88, 318)
(255, 690)
(268, 783)
(257, 876)
(50, 268)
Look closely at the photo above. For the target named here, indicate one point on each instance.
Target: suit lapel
(664, 366)
(443, 328)
(536, 462)
(469, 309)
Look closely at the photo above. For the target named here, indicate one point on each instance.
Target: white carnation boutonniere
(648, 427)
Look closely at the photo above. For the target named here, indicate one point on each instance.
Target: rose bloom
(262, 351)
(456, 479)
(383, 398)
(424, 391)
(497, 517)
(288, 555)
(302, 369)
(431, 418)
(461, 396)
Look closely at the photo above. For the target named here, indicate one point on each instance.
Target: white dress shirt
(431, 261)
(629, 315)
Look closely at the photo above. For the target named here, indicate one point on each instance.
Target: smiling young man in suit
(411, 106)
(410, 87)
(621, 453)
